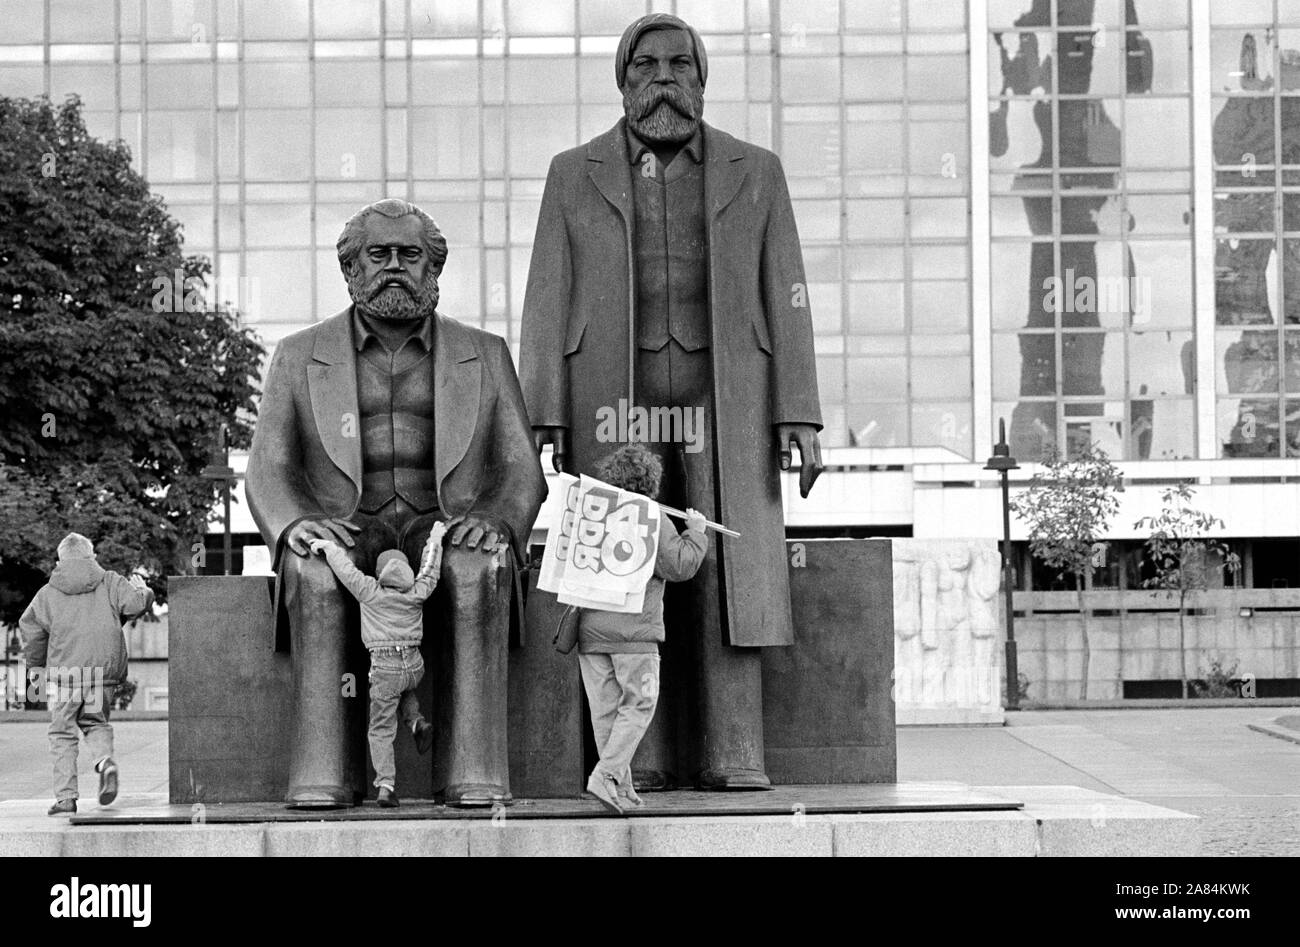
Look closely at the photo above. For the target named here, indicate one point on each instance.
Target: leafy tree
(1183, 559)
(1067, 507)
(113, 388)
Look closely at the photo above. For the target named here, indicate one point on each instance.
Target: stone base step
(1055, 821)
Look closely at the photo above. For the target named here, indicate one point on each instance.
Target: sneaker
(63, 807)
(424, 736)
(605, 789)
(108, 783)
(388, 798)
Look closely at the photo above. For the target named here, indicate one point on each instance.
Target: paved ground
(1244, 784)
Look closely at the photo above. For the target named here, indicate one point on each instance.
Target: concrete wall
(1144, 646)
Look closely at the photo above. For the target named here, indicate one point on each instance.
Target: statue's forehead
(671, 41)
(385, 231)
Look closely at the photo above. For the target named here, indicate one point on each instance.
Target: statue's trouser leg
(477, 587)
(326, 767)
(726, 689)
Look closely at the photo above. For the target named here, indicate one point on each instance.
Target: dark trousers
(710, 721)
(466, 631)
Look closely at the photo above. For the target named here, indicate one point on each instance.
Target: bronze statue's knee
(470, 568)
(311, 576)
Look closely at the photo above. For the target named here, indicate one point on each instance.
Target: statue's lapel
(332, 386)
(724, 169)
(609, 170)
(458, 376)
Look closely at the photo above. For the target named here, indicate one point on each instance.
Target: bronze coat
(306, 453)
(576, 344)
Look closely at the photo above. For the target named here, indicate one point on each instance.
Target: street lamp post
(1004, 463)
(223, 474)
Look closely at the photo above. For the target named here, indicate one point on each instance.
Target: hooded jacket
(678, 559)
(75, 621)
(390, 617)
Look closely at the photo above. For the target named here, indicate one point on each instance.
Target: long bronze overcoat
(306, 453)
(576, 342)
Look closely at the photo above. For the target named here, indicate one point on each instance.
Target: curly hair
(632, 467)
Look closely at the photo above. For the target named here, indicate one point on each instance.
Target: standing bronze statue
(667, 273)
(374, 424)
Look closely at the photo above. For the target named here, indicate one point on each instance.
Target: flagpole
(673, 511)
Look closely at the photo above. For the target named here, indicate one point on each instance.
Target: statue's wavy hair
(352, 239)
(633, 467)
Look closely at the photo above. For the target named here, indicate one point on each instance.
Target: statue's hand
(331, 528)
(558, 438)
(476, 531)
(803, 436)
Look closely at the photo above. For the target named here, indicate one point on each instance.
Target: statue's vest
(395, 395)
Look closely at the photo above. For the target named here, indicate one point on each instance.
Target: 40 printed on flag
(601, 548)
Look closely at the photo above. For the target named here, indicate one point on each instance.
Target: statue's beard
(396, 303)
(664, 114)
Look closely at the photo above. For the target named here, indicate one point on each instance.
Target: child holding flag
(619, 653)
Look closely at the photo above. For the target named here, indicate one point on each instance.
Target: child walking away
(72, 634)
(619, 653)
(392, 628)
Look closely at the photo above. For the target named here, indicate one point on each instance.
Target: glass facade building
(1080, 216)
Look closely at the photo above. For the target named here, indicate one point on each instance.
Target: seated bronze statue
(374, 424)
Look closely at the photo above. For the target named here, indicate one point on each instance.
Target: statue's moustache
(385, 282)
(654, 96)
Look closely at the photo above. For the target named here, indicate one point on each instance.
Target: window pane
(1248, 361)
(871, 220)
(347, 19)
(611, 17)
(1161, 289)
(276, 84)
(541, 80)
(277, 144)
(870, 147)
(284, 19)
(876, 307)
(436, 82)
(1162, 430)
(1243, 295)
(1092, 363)
(1165, 69)
(940, 307)
(1024, 364)
(878, 425)
(818, 220)
(25, 21)
(525, 17)
(95, 85)
(347, 83)
(810, 80)
(1157, 133)
(943, 425)
(536, 134)
(873, 78)
(273, 275)
(444, 142)
(1161, 363)
(274, 225)
(938, 217)
(181, 86)
(348, 143)
(936, 77)
(1249, 428)
(180, 146)
(74, 21)
(1031, 427)
(941, 377)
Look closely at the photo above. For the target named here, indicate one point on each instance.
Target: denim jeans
(622, 690)
(81, 706)
(394, 675)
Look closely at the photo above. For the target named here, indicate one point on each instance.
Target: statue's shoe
(735, 780)
(653, 780)
(477, 795)
(319, 797)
